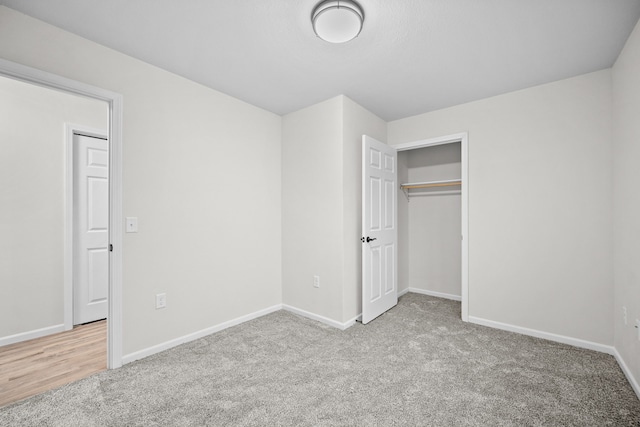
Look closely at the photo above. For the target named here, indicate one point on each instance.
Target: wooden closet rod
(429, 185)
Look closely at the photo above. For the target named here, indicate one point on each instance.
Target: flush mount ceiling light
(337, 21)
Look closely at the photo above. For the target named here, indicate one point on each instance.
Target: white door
(90, 226)
(379, 228)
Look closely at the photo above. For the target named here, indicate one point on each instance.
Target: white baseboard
(128, 358)
(342, 326)
(322, 319)
(627, 372)
(29, 335)
(402, 292)
(137, 355)
(576, 342)
(434, 294)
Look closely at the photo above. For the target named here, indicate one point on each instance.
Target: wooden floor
(38, 365)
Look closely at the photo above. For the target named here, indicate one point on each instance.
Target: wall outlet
(316, 281)
(161, 301)
(624, 314)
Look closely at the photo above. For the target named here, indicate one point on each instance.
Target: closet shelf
(429, 184)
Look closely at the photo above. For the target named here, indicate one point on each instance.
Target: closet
(429, 221)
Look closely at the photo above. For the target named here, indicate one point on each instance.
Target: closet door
(379, 228)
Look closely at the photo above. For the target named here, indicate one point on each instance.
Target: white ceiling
(412, 56)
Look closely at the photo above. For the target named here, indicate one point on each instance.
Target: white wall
(540, 244)
(312, 203)
(321, 213)
(626, 153)
(202, 174)
(32, 170)
(434, 221)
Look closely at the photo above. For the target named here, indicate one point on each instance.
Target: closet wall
(430, 240)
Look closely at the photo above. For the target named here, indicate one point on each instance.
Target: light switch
(132, 224)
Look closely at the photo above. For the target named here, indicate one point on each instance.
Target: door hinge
(110, 247)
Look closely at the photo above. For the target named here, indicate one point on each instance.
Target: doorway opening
(114, 189)
(445, 186)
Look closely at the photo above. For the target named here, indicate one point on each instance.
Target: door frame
(70, 130)
(463, 139)
(114, 101)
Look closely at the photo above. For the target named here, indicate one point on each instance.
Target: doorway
(443, 186)
(114, 255)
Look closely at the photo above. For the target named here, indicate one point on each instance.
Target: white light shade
(337, 21)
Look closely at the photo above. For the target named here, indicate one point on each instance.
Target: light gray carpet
(418, 364)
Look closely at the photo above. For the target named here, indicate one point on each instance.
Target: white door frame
(114, 101)
(463, 139)
(70, 130)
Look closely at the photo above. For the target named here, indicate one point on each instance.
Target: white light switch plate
(161, 301)
(132, 224)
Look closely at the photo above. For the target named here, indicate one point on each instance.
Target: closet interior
(429, 221)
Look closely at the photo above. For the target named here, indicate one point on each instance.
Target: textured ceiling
(412, 56)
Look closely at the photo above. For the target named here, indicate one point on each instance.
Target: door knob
(367, 239)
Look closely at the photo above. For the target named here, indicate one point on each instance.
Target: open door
(379, 228)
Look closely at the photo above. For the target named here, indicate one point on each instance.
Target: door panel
(389, 263)
(389, 205)
(90, 228)
(379, 228)
(376, 274)
(375, 204)
(98, 260)
(97, 192)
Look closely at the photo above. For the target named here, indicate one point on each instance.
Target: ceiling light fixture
(337, 21)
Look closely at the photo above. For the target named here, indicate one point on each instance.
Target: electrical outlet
(316, 281)
(624, 314)
(161, 301)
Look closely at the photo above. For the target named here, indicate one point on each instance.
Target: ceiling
(413, 56)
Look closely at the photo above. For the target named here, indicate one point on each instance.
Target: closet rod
(430, 184)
